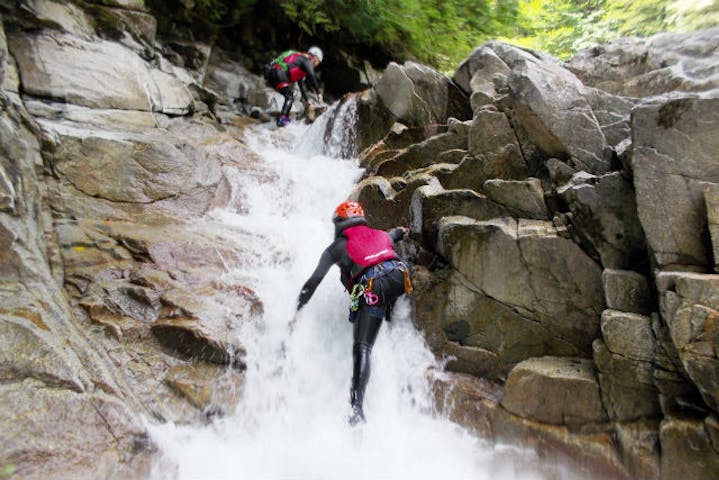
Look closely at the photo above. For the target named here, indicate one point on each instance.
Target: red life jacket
(293, 69)
(367, 246)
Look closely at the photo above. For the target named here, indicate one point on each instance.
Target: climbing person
(373, 274)
(291, 67)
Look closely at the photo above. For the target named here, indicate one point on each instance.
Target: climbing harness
(363, 288)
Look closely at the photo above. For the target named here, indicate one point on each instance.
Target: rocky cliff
(563, 216)
(565, 243)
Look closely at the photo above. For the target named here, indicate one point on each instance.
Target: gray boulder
(674, 153)
(642, 67)
(626, 370)
(688, 302)
(526, 265)
(556, 390)
(418, 95)
(604, 217)
(56, 66)
(550, 111)
(627, 291)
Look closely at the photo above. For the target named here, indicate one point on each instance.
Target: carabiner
(370, 298)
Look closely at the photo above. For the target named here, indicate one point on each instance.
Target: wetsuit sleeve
(327, 259)
(306, 64)
(303, 91)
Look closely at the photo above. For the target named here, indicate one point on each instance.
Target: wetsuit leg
(389, 288)
(280, 81)
(289, 98)
(366, 327)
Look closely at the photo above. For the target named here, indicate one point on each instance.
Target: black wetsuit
(281, 80)
(388, 285)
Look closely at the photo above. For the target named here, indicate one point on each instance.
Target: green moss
(7, 471)
(107, 23)
(671, 112)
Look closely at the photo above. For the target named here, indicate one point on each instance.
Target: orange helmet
(348, 210)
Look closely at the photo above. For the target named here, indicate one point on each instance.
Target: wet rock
(494, 153)
(209, 390)
(642, 67)
(687, 307)
(36, 442)
(526, 265)
(424, 153)
(416, 95)
(551, 113)
(476, 75)
(711, 198)
(585, 452)
(431, 203)
(524, 199)
(489, 338)
(54, 66)
(687, 450)
(672, 157)
(556, 390)
(627, 385)
(627, 291)
(386, 204)
(638, 445)
(604, 216)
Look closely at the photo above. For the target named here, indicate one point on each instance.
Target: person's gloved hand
(303, 298)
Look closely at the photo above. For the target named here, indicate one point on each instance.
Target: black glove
(304, 297)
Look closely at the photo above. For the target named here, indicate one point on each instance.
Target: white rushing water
(291, 419)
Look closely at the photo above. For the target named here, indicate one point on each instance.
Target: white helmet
(315, 51)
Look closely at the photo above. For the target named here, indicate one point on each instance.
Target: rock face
(111, 307)
(566, 249)
(563, 221)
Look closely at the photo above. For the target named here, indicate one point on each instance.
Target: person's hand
(319, 99)
(404, 230)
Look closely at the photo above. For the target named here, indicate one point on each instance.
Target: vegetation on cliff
(437, 32)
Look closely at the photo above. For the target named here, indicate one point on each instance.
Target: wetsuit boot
(360, 376)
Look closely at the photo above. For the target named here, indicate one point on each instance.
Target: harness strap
(381, 268)
(367, 276)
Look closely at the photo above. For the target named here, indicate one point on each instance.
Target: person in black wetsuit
(290, 67)
(374, 275)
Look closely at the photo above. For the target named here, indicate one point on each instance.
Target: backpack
(279, 60)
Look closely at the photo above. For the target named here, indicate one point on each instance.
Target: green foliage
(7, 471)
(562, 27)
(440, 33)
(437, 32)
(206, 18)
(309, 15)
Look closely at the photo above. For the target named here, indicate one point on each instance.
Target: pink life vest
(367, 246)
(294, 71)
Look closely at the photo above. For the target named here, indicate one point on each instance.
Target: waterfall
(291, 419)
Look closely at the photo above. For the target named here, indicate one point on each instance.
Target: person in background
(373, 274)
(291, 67)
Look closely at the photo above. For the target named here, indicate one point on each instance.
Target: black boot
(357, 416)
(360, 377)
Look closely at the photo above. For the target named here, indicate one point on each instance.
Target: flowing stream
(291, 419)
